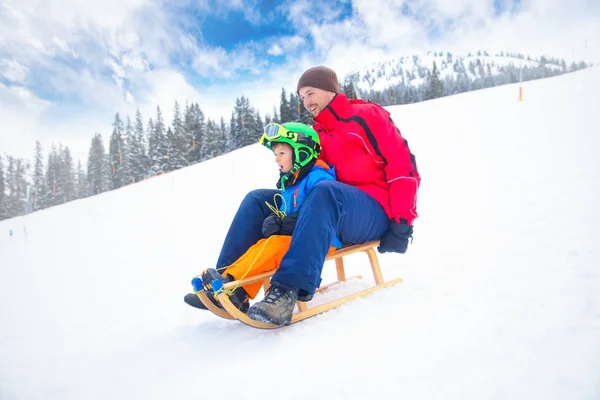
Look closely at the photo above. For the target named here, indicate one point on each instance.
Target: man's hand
(395, 240)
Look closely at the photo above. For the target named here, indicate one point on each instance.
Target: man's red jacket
(367, 150)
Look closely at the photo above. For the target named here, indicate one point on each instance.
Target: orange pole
(520, 93)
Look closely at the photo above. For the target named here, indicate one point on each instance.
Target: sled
(229, 311)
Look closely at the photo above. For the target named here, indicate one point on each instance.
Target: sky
(499, 298)
(66, 67)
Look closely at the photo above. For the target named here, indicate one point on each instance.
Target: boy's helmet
(303, 139)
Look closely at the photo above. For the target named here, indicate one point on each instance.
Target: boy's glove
(288, 224)
(271, 225)
(395, 240)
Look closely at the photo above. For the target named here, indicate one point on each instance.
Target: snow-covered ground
(500, 299)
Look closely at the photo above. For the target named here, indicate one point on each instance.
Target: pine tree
(66, 176)
(115, 152)
(285, 113)
(97, 167)
(223, 137)
(245, 129)
(49, 198)
(212, 136)
(179, 145)
(157, 141)
(38, 178)
(168, 167)
(258, 131)
(3, 209)
(436, 86)
(130, 155)
(140, 152)
(196, 134)
(16, 182)
(232, 138)
(82, 182)
(294, 108)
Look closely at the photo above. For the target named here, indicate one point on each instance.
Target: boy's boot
(193, 300)
(277, 306)
(239, 298)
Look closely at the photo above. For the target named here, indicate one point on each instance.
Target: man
(374, 196)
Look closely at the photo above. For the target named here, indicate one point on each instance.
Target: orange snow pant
(264, 256)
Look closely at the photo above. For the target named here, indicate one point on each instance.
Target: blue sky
(67, 66)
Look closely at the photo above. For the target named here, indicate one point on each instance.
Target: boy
(296, 147)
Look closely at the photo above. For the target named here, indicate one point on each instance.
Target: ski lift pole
(521, 82)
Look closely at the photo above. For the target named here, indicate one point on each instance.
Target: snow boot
(277, 306)
(239, 298)
(193, 300)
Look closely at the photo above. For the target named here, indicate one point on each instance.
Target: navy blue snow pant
(331, 208)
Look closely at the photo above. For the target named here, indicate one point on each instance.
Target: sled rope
(229, 292)
(276, 211)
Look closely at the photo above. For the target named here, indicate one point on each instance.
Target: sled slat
(344, 251)
(224, 300)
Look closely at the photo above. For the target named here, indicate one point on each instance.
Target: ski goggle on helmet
(303, 139)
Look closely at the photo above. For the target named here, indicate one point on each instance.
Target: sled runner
(229, 311)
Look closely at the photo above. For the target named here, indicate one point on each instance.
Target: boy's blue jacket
(295, 194)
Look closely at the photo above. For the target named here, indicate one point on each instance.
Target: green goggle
(275, 131)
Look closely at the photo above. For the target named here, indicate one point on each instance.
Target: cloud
(63, 74)
(275, 50)
(13, 71)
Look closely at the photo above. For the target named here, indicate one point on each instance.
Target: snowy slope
(500, 298)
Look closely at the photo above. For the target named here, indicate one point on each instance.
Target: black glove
(288, 224)
(271, 225)
(395, 240)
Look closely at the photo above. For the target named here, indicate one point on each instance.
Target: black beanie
(319, 77)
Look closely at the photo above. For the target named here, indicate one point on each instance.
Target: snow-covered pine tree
(212, 139)
(140, 151)
(294, 108)
(435, 88)
(232, 141)
(260, 126)
(3, 210)
(285, 112)
(82, 187)
(275, 118)
(115, 152)
(245, 123)
(195, 128)
(179, 146)
(49, 198)
(16, 182)
(223, 137)
(129, 154)
(97, 167)
(66, 176)
(159, 146)
(38, 178)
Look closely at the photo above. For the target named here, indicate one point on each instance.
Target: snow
(383, 75)
(500, 298)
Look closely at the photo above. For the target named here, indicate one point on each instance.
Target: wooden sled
(229, 311)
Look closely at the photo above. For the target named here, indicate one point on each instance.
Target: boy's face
(283, 156)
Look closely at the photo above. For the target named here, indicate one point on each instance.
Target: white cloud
(72, 50)
(13, 71)
(275, 50)
(218, 63)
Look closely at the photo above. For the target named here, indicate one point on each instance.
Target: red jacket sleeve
(401, 167)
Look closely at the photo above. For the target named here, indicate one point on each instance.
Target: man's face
(315, 100)
(283, 156)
